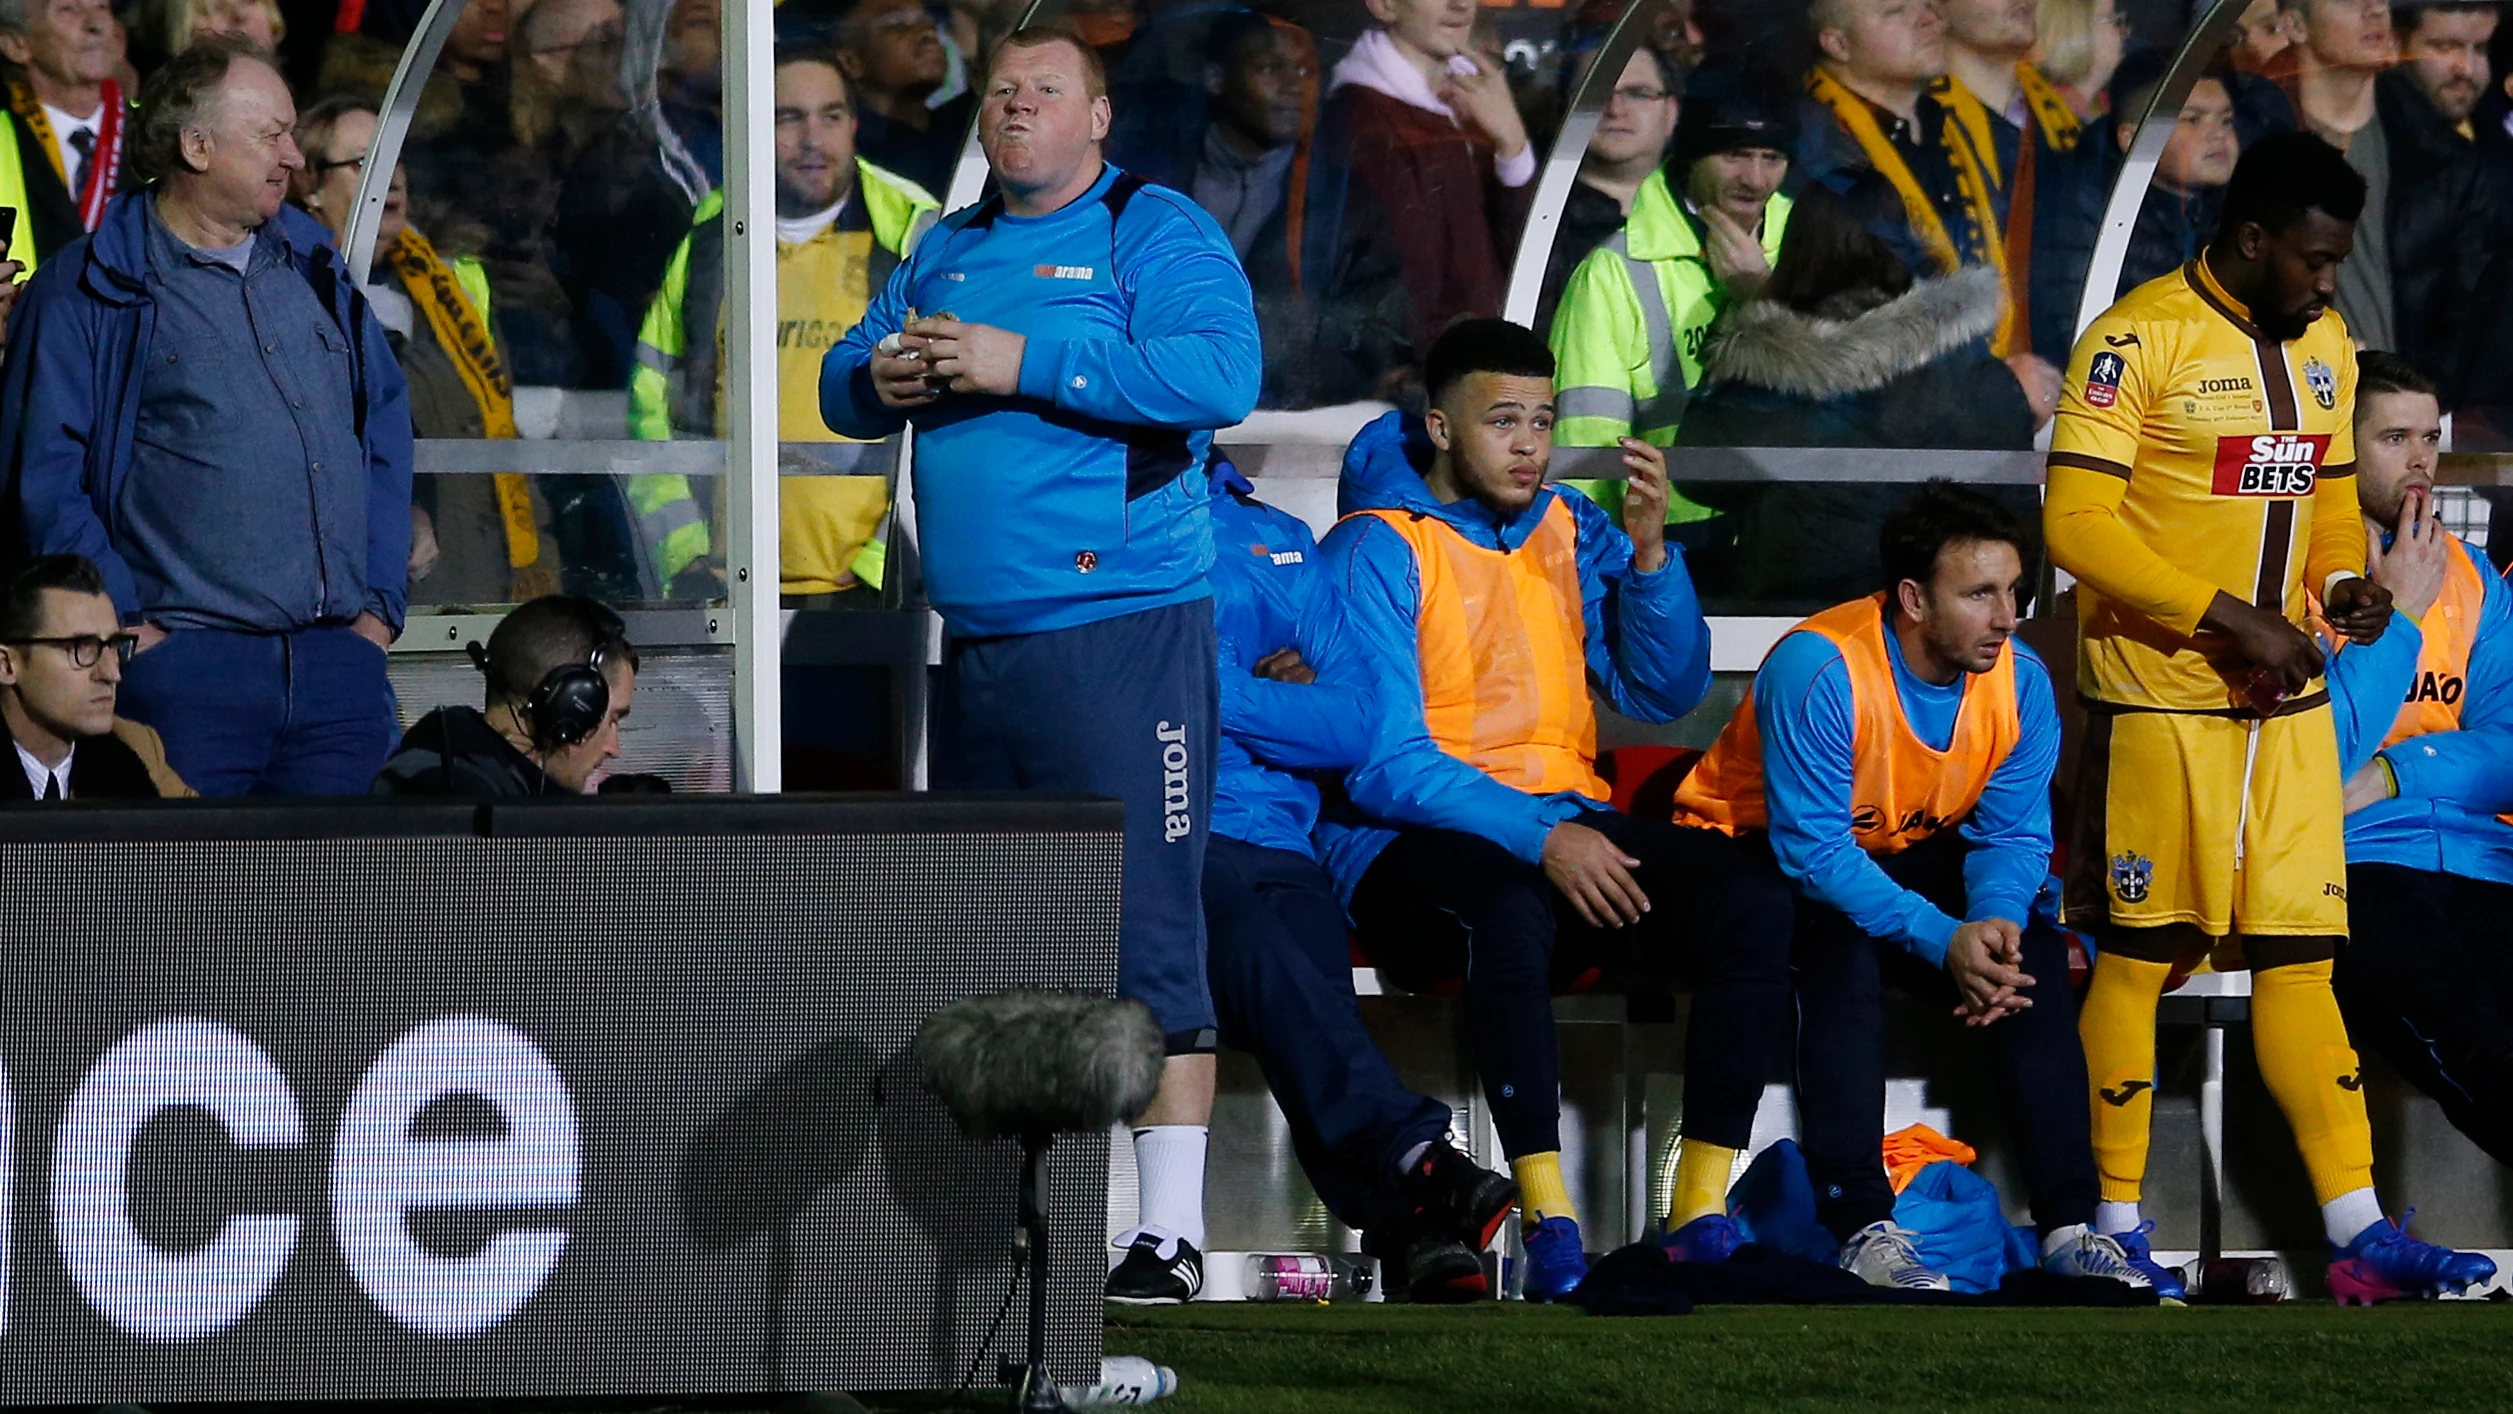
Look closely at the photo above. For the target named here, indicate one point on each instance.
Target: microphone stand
(1038, 1392)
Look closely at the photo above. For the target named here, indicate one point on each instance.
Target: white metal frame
(2208, 37)
(753, 621)
(750, 393)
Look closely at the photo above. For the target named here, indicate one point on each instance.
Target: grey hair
(180, 95)
(16, 16)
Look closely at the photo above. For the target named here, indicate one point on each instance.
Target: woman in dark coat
(1844, 349)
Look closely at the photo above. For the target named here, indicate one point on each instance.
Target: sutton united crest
(2323, 382)
(2131, 874)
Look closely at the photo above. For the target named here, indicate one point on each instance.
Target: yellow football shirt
(2226, 441)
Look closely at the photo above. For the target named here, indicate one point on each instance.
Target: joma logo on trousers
(1176, 817)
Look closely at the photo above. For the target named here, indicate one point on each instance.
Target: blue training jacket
(1271, 591)
(70, 403)
(2453, 785)
(1069, 502)
(1647, 645)
(1803, 709)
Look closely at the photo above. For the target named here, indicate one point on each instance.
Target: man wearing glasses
(61, 656)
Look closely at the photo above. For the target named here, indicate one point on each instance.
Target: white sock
(2061, 1239)
(2113, 1219)
(1169, 1175)
(2349, 1214)
(1413, 1156)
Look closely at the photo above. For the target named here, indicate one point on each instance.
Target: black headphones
(569, 704)
(572, 700)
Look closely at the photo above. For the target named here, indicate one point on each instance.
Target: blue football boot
(1710, 1238)
(2141, 1256)
(2384, 1263)
(1556, 1263)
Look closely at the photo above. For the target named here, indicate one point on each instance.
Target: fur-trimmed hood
(1769, 345)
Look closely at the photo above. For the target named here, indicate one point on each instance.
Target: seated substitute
(2426, 729)
(1895, 759)
(562, 675)
(62, 648)
(1494, 607)
(1296, 708)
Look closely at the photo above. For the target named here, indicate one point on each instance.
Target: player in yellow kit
(2201, 479)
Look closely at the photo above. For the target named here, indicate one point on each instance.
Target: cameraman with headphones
(561, 674)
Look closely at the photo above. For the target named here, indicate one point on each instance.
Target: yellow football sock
(2117, 1026)
(2312, 1072)
(1701, 1181)
(1541, 1192)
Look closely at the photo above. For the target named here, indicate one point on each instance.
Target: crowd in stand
(1373, 164)
(1863, 223)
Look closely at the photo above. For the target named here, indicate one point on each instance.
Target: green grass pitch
(1398, 1360)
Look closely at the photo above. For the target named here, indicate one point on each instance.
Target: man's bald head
(1880, 43)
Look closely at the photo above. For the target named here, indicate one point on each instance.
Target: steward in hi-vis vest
(843, 225)
(1638, 311)
(1493, 607)
(1894, 762)
(2425, 725)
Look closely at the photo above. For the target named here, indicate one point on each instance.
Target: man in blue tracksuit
(1495, 609)
(1065, 350)
(2426, 733)
(1296, 708)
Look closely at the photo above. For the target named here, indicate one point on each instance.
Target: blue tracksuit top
(1270, 592)
(1069, 502)
(2453, 785)
(1803, 709)
(1647, 645)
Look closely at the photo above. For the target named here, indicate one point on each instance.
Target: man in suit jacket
(61, 652)
(66, 119)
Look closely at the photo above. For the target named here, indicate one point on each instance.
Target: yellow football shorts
(2233, 825)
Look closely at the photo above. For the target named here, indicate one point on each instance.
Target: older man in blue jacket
(1065, 350)
(198, 399)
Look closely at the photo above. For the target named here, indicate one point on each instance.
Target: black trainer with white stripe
(1145, 1278)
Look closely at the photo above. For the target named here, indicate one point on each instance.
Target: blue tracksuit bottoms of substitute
(1125, 707)
(1282, 982)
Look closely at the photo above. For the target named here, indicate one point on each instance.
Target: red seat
(1645, 778)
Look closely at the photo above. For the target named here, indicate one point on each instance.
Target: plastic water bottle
(1307, 1277)
(1292, 1278)
(1123, 1379)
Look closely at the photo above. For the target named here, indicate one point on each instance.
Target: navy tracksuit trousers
(1281, 971)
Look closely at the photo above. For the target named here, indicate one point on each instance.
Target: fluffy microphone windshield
(1024, 1063)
